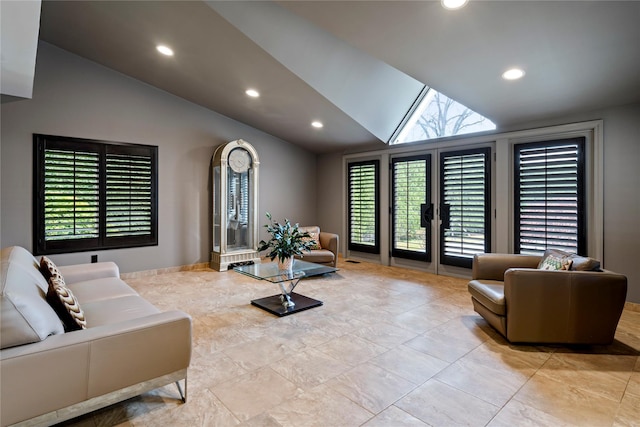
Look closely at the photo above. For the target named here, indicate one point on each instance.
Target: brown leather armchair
(328, 242)
(529, 305)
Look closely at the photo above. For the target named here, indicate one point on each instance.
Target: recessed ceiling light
(453, 4)
(513, 74)
(165, 50)
(252, 93)
(317, 124)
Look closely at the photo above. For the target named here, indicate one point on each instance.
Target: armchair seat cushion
(319, 256)
(489, 293)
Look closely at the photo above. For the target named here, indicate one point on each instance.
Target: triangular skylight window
(438, 116)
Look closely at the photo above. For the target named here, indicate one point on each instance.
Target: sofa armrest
(329, 241)
(563, 306)
(491, 266)
(76, 366)
(82, 272)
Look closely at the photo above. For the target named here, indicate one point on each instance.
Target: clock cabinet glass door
(239, 180)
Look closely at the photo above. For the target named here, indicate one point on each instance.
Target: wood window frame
(581, 220)
(102, 236)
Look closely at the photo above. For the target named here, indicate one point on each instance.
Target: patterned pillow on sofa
(49, 269)
(65, 305)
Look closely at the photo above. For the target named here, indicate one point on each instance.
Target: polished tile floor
(389, 347)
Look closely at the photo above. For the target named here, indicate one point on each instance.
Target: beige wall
(622, 195)
(621, 189)
(78, 98)
(329, 195)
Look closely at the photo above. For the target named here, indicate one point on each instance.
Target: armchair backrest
(563, 306)
(493, 266)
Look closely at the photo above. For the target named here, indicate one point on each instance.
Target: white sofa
(47, 376)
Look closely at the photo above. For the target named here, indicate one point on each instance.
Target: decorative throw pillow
(49, 269)
(65, 305)
(583, 263)
(578, 263)
(316, 238)
(553, 262)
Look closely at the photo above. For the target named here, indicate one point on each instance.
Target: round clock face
(239, 160)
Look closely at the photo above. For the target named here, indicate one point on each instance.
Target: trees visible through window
(550, 196)
(93, 195)
(412, 208)
(438, 116)
(364, 226)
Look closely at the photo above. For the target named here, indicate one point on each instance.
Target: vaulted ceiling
(358, 65)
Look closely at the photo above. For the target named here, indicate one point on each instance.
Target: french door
(412, 209)
(459, 220)
(465, 205)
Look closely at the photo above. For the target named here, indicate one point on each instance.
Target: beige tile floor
(389, 347)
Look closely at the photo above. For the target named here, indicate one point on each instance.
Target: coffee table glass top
(270, 272)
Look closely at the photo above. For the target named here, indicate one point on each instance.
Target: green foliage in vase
(286, 240)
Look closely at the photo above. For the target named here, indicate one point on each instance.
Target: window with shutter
(465, 205)
(128, 196)
(549, 196)
(364, 226)
(92, 195)
(71, 194)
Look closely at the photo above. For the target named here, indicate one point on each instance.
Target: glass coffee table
(287, 302)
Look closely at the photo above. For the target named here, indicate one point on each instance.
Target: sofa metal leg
(183, 396)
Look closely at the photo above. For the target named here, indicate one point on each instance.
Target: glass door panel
(412, 210)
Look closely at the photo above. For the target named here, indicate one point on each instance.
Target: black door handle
(445, 215)
(426, 214)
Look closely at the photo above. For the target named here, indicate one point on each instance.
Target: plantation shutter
(464, 205)
(129, 194)
(93, 195)
(364, 227)
(71, 194)
(549, 194)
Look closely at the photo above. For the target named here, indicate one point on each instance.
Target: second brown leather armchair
(328, 254)
(529, 305)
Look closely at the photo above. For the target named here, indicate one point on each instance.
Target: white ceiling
(578, 56)
(19, 22)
